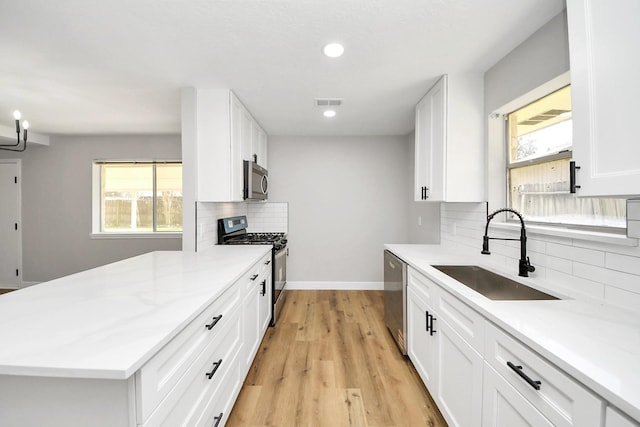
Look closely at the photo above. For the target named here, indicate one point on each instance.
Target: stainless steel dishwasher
(395, 298)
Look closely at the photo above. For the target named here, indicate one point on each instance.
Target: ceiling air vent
(328, 102)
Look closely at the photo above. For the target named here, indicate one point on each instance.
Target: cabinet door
(246, 136)
(617, 419)
(251, 308)
(265, 303)
(605, 66)
(504, 406)
(262, 148)
(237, 156)
(421, 345)
(430, 143)
(459, 390)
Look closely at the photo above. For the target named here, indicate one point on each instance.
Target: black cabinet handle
(431, 330)
(426, 320)
(216, 319)
(216, 365)
(267, 262)
(254, 277)
(217, 419)
(263, 291)
(572, 177)
(518, 370)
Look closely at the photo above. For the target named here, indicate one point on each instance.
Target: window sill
(591, 236)
(168, 235)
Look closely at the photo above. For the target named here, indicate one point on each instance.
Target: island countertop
(597, 344)
(108, 321)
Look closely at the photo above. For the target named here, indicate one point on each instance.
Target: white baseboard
(330, 286)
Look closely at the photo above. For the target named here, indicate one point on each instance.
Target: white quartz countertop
(107, 322)
(597, 344)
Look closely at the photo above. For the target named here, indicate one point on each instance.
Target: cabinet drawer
(505, 406)
(156, 378)
(221, 404)
(258, 272)
(560, 398)
(427, 289)
(468, 323)
(187, 401)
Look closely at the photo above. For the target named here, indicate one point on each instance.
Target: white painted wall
(347, 197)
(56, 203)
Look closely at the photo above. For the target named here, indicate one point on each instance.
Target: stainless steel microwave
(256, 181)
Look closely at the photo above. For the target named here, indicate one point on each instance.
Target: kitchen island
(595, 347)
(110, 346)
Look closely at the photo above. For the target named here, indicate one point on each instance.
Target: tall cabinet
(449, 149)
(218, 134)
(605, 65)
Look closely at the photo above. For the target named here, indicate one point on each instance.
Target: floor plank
(332, 362)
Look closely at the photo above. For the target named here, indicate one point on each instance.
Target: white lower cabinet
(614, 418)
(503, 405)
(449, 366)
(479, 375)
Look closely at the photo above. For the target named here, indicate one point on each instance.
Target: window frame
(96, 202)
(497, 175)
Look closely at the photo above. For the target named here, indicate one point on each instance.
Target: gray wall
(540, 58)
(347, 197)
(56, 203)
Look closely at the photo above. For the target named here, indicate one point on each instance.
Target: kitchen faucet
(524, 266)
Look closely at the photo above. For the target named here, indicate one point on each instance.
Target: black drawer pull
(267, 262)
(216, 319)
(217, 420)
(426, 320)
(254, 277)
(216, 365)
(518, 370)
(263, 291)
(431, 330)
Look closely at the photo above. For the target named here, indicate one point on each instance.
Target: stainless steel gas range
(233, 231)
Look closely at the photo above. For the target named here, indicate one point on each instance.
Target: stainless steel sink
(490, 284)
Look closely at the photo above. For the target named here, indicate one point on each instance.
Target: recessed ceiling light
(333, 50)
(329, 113)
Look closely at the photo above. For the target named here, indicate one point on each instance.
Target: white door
(10, 227)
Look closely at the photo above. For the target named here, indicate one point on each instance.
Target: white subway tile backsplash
(587, 269)
(624, 263)
(261, 217)
(587, 256)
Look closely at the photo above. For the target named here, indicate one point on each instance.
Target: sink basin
(492, 285)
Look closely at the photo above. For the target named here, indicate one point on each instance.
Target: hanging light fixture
(25, 125)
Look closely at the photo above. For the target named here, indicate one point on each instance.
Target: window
(138, 197)
(539, 138)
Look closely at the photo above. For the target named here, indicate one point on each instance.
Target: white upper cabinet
(605, 65)
(449, 150)
(220, 134)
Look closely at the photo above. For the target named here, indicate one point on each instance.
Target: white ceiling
(117, 66)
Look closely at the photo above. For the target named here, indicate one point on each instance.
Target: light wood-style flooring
(331, 362)
(5, 291)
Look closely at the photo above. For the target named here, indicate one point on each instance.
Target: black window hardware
(518, 370)
(216, 365)
(216, 319)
